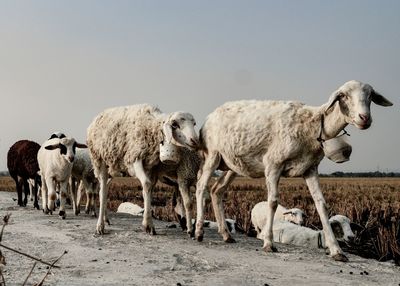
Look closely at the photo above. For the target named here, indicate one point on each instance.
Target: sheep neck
(334, 123)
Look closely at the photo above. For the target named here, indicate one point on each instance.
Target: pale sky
(63, 62)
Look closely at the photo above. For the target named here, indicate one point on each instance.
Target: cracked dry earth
(127, 256)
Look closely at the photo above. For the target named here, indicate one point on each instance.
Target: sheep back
(22, 159)
(119, 136)
(271, 131)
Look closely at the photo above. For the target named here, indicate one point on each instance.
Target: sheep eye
(175, 125)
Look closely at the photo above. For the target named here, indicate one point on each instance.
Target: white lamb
(130, 208)
(82, 176)
(289, 233)
(259, 215)
(127, 139)
(55, 158)
(274, 138)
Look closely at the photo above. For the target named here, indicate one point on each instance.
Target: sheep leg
(79, 197)
(20, 185)
(31, 188)
(50, 194)
(216, 197)
(102, 176)
(88, 202)
(26, 191)
(35, 194)
(73, 183)
(63, 198)
(92, 198)
(147, 184)
(312, 181)
(272, 177)
(210, 164)
(187, 203)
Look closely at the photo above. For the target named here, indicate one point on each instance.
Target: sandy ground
(127, 256)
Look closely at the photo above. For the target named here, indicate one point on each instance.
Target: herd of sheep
(250, 138)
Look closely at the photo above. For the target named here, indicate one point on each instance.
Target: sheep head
(341, 228)
(67, 148)
(354, 99)
(294, 215)
(178, 129)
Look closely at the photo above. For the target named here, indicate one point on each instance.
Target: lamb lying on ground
(259, 215)
(289, 233)
(130, 208)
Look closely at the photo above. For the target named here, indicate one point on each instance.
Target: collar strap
(319, 139)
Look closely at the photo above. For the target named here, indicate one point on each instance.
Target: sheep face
(179, 130)
(341, 228)
(354, 99)
(294, 215)
(67, 148)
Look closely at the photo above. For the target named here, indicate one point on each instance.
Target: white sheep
(130, 208)
(55, 158)
(82, 176)
(274, 138)
(127, 139)
(259, 215)
(289, 233)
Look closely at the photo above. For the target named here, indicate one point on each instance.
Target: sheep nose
(71, 159)
(364, 117)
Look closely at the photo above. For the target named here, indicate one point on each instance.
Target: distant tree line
(376, 174)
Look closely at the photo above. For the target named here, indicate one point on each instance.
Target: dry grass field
(372, 204)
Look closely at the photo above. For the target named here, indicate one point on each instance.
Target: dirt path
(127, 256)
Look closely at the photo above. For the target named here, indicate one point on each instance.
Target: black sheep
(22, 165)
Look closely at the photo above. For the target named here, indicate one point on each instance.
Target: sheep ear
(52, 147)
(332, 100)
(167, 130)
(380, 99)
(80, 145)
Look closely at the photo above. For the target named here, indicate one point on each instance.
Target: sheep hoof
(100, 229)
(190, 233)
(270, 249)
(108, 221)
(340, 257)
(87, 211)
(199, 238)
(62, 214)
(149, 229)
(36, 206)
(230, 240)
